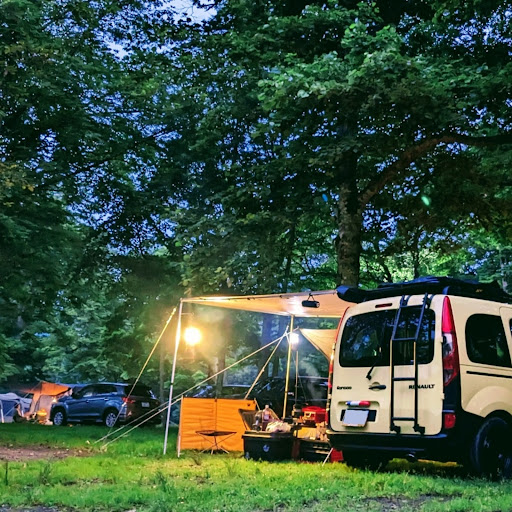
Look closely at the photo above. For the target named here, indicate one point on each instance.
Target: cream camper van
(423, 369)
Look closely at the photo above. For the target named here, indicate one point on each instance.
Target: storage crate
(312, 450)
(270, 446)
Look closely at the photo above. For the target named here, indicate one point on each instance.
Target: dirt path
(30, 509)
(18, 454)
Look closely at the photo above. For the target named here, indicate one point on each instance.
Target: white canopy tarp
(321, 339)
(287, 304)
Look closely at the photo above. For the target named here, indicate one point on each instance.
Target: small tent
(44, 394)
(8, 402)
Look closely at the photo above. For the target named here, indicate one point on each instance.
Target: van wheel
(490, 451)
(110, 418)
(362, 461)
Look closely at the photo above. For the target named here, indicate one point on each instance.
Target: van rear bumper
(442, 447)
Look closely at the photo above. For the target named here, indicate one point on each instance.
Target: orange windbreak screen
(212, 414)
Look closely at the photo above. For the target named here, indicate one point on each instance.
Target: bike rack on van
(404, 304)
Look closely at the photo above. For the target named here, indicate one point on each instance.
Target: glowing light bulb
(293, 339)
(192, 336)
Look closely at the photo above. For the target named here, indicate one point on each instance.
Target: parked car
(227, 391)
(107, 403)
(270, 391)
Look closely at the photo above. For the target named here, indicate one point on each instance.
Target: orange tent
(42, 393)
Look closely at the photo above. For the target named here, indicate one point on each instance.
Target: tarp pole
(178, 442)
(176, 345)
(287, 382)
(296, 375)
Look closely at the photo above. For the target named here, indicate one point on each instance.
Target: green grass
(132, 474)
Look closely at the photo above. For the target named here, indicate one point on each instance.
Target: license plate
(355, 417)
(145, 404)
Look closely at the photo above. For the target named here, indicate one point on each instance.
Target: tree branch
(91, 165)
(411, 154)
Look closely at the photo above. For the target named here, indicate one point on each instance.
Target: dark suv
(107, 403)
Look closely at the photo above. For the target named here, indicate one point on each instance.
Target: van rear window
(366, 338)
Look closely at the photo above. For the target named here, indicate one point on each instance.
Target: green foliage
(72, 153)
(360, 103)
(273, 147)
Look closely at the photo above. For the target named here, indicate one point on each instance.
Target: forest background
(155, 150)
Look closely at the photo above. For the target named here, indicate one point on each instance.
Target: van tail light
(451, 368)
(449, 419)
(331, 360)
(128, 400)
(331, 368)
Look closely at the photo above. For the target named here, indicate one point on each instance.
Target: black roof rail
(429, 284)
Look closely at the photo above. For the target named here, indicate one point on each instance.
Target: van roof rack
(429, 284)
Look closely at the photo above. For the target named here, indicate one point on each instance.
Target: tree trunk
(221, 365)
(503, 271)
(289, 257)
(224, 337)
(266, 337)
(350, 224)
(415, 253)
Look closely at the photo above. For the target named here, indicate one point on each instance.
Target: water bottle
(266, 416)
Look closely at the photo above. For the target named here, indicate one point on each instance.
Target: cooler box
(313, 414)
(270, 446)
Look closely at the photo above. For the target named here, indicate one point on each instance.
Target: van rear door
(362, 373)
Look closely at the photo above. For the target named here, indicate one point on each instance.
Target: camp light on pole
(192, 336)
(293, 339)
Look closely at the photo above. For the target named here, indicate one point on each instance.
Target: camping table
(212, 436)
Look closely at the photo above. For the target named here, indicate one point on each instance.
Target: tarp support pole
(296, 375)
(287, 382)
(171, 388)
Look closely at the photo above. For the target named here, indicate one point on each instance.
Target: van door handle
(376, 387)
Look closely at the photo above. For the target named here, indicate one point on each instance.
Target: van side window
(486, 342)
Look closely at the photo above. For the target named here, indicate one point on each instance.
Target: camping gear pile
(303, 439)
(287, 434)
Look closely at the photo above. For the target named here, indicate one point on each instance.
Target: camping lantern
(293, 339)
(41, 416)
(192, 336)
